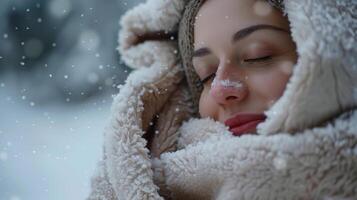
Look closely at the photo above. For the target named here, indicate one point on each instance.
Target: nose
(228, 91)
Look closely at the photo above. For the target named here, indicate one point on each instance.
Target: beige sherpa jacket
(306, 149)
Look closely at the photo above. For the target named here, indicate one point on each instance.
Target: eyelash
(261, 59)
(203, 81)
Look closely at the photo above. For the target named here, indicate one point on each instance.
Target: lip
(241, 123)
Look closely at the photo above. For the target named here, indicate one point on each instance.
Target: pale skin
(248, 43)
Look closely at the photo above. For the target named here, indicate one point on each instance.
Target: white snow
(226, 83)
(48, 152)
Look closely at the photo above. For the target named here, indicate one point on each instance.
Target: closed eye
(203, 81)
(261, 59)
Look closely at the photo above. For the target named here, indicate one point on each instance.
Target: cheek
(270, 86)
(207, 107)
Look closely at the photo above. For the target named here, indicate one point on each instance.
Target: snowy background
(58, 71)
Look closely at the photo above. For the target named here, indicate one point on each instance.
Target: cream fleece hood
(306, 149)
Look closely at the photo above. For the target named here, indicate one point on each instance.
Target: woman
(269, 101)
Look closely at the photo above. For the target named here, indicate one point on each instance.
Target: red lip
(243, 122)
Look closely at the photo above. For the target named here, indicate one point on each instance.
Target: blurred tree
(61, 49)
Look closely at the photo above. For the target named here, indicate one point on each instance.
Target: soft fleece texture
(306, 149)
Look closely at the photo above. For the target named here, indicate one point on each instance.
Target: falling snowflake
(60, 8)
(89, 40)
(262, 8)
(6, 35)
(287, 67)
(279, 163)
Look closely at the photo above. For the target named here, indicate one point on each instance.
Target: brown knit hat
(186, 40)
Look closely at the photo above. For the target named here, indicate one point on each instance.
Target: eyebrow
(241, 34)
(245, 32)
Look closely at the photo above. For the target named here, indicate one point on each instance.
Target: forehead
(218, 20)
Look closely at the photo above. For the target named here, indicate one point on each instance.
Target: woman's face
(244, 55)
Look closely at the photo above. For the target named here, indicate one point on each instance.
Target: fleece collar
(323, 83)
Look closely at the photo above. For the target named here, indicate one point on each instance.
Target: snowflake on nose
(227, 83)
